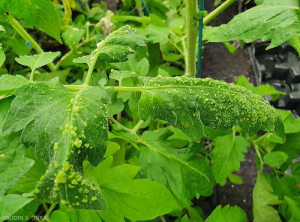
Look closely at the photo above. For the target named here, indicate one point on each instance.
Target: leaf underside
(190, 104)
(65, 128)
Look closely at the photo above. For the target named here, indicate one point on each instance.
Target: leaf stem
(217, 11)
(47, 215)
(192, 33)
(45, 206)
(32, 75)
(137, 126)
(24, 34)
(162, 219)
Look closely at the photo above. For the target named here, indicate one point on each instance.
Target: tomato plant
(113, 131)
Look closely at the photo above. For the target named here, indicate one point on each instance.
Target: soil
(219, 64)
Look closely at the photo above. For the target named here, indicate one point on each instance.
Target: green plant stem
(24, 34)
(162, 219)
(217, 11)
(47, 215)
(68, 54)
(192, 33)
(139, 7)
(137, 126)
(45, 206)
(32, 75)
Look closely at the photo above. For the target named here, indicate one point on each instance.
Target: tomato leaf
(227, 214)
(39, 13)
(134, 199)
(190, 104)
(227, 154)
(186, 175)
(65, 128)
(11, 203)
(255, 23)
(9, 84)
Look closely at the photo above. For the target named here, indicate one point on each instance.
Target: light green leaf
(38, 60)
(227, 214)
(112, 148)
(275, 159)
(186, 175)
(227, 154)
(295, 42)
(185, 219)
(291, 124)
(2, 56)
(120, 75)
(12, 162)
(116, 47)
(155, 34)
(9, 83)
(65, 128)
(26, 212)
(291, 147)
(81, 215)
(280, 24)
(235, 179)
(72, 36)
(189, 104)
(262, 90)
(39, 13)
(263, 197)
(2, 29)
(141, 68)
(294, 208)
(134, 199)
(58, 216)
(11, 203)
(4, 107)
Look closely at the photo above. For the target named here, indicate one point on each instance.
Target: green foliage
(194, 103)
(126, 196)
(227, 214)
(39, 13)
(255, 23)
(9, 84)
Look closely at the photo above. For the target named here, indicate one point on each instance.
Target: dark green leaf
(39, 13)
(291, 147)
(65, 128)
(255, 23)
(186, 175)
(189, 104)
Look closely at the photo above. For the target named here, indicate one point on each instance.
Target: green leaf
(120, 75)
(141, 68)
(186, 175)
(80, 215)
(72, 36)
(27, 211)
(31, 178)
(2, 56)
(294, 208)
(262, 90)
(39, 13)
(291, 124)
(58, 216)
(2, 29)
(275, 159)
(227, 214)
(12, 162)
(11, 203)
(9, 84)
(155, 34)
(189, 104)
(185, 219)
(116, 47)
(4, 107)
(235, 179)
(38, 60)
(134, 199)
(227, 154)
(291, 146)
(255, 23)
(263, 197)
(295, 42)
(112, 148)
(65, 128)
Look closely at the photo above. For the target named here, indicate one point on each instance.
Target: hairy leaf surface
(65, 128)
(227, 214)
(186, 175)
(189, 104)
(280, 24)
(227, 154)
(39, 13)
(134, 199)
